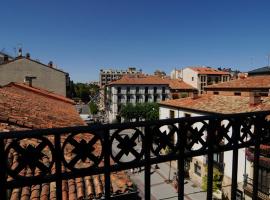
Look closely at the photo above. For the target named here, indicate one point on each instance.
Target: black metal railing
(263, 187)
(129, 145)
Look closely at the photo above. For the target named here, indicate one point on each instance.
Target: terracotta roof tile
(139, 80)
(252, 82)
(218, 104)
(31, 109)
(208, 70)
(176, 84)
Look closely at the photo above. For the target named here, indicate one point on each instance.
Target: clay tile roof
(218, 104)
(176, 84)
(36, 108)
(208, 70)
(26, 108)
(139, 79)
(252, 82)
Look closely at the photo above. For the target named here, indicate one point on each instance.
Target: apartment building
(5, 57)
(201, 76)
(242, 86)
(135, 89)
(24, 69)
(213, 105)
(108, 75)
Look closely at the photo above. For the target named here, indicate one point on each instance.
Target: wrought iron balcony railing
(263, 188)
(130, 145)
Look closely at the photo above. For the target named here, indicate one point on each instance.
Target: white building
(211, 105)
(135, 89)
(199, 77)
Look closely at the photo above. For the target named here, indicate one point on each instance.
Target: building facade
(24, 69)
(135, 89)
(200, 77)
(108, 75)
(213, 105)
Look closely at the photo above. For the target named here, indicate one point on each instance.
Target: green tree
(93, 108)
(217, 178)
(146, 111)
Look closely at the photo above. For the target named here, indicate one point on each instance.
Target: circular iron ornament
(164, 140)
(82, 152)
(247, 127)
(223, 133)
(196, 136)
(127, 145)
(38, 157)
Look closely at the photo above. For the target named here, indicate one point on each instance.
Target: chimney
(194, 94)
(254, 98)
(29, 80)
(20, 52)
(28, 55)
(50, 64)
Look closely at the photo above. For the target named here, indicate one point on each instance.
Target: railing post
(107, 165)
(235, 138)
(210, 140)
(181, 160)
(257, 137)
(3, 171)
(147, 174)
(58, 167)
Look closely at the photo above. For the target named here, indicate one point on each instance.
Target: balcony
(95, 146)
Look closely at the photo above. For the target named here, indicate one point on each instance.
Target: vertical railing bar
(107, 167)
(210, 138)
(235, 138)
(257, 130)
(147, 172)
(3, 171)
(58, 163)
(181, 161)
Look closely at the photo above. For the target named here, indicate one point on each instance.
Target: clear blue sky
(82, 36)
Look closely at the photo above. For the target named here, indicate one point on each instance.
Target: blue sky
(82, 36)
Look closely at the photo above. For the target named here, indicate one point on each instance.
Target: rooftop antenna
(268, 59)
(251, 61)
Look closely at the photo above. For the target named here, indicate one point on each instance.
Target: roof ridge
(41, 92)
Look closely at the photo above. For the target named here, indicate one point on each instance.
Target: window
(163, 97)
(155, 90)
(146, 90)
(137, 89)
(155, 98)
(146, 98)
(128, 90)
(237, 94)
(128, 99)
(172, 114)
(119, 99)
(192, 78)
(119, 90)
(197, 169)
(163, 90)
(216, 93)
(137, 99)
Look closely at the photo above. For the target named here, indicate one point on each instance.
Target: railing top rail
(100, 127)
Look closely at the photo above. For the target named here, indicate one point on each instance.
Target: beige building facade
(43, 76)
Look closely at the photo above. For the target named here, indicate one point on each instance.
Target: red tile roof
(218, 104)
(36, 108)
(252, 82)
(208, 70)
(176, 84)
(140, 80)
(22, 107)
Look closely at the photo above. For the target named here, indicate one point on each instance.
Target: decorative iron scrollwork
(196, 135)
(165, 140)
(127, 145)
(246, 130)
(82, 151)
(35, 154)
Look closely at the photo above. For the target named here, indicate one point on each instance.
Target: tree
(217, 176)
(146, 111)
(83, 90)
(93, 108)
